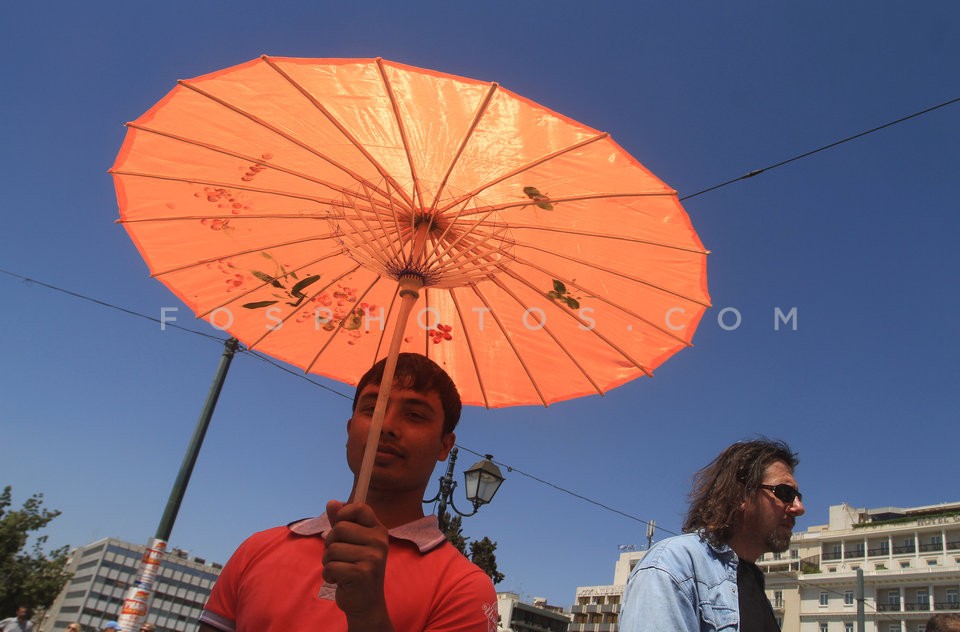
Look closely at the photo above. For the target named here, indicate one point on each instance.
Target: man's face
(21, 613)
(411, 440)
(767, 520)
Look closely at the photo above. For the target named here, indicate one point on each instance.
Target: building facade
(517, 616)
(102, 572)
(909, 559)
(597, 608)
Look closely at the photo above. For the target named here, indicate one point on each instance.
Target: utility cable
(757, 172)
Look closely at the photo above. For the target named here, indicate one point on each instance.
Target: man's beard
(777, 542)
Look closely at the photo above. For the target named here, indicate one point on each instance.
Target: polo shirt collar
(424, 532)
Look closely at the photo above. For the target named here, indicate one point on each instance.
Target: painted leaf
(559, 286)
(259, 304)
(299, 287)
(266, 278)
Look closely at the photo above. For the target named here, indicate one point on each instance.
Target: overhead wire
(267, 360)
(756, 172)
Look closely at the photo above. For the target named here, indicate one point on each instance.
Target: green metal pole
(136, 602)
(193, 450)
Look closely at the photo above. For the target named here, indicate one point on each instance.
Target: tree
(30, 578)
(482, 554)
(481, 551)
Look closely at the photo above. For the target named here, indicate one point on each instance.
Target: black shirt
(756, 615)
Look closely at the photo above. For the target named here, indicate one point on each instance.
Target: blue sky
(96, 406)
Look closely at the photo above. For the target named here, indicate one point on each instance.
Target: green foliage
(33, 577)
(482, 552)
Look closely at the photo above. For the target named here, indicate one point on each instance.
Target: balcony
(953, 545)
(855, 553)
(888, 607)
(931, 546)
(835, 555)
(917, 606)
(905, 548)
(946, 605)
(881, 552)
(592, 627)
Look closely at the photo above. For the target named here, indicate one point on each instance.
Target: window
(794, 554)
(884, 548)
(848, 598)
(847, 627)
(953, 596)
(777, 598)
(932, 562)
(923, 599)
(905, 564)
(824, 600)
(823, 627)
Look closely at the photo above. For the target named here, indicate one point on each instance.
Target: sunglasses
(784, 492)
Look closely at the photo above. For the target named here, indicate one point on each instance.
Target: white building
(517, 616)
(909, 558)
(598, 607)
(102, 572)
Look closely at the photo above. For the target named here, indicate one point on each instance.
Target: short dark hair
(720, 487)
(944, 623)
(421, 374)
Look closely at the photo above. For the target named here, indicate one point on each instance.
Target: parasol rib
(250, 251)
(463, 143)
(296, 310)
(263, 284)
(383, 244)
(509, 340)
(230, 216)
(627, 238)
(342, 129)
(473, 356)
(591, 329)
(299, 143)
(379, 217)
(544, 327)
(525, 167)
(418, 194)
(442, 261)
(228, 185)
(339, 327)
(525, 204)
(598, 297)
(221, 150)
(623, 275)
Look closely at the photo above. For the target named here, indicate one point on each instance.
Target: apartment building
(102, 572)
(597, 608)
(909, 559)
(517, 616)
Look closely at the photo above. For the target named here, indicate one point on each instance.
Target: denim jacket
(683, 584)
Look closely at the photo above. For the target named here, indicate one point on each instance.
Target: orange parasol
(329, 212)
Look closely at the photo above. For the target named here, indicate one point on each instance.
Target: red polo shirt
(274, 581)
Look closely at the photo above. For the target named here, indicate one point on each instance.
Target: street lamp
(482, 481)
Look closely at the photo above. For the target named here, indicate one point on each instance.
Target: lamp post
(482, 480)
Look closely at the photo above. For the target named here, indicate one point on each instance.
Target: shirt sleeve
(654, 601)
(221, 609)
(469, 606)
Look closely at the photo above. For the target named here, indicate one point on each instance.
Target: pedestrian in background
(19, 623)
(743, 504)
